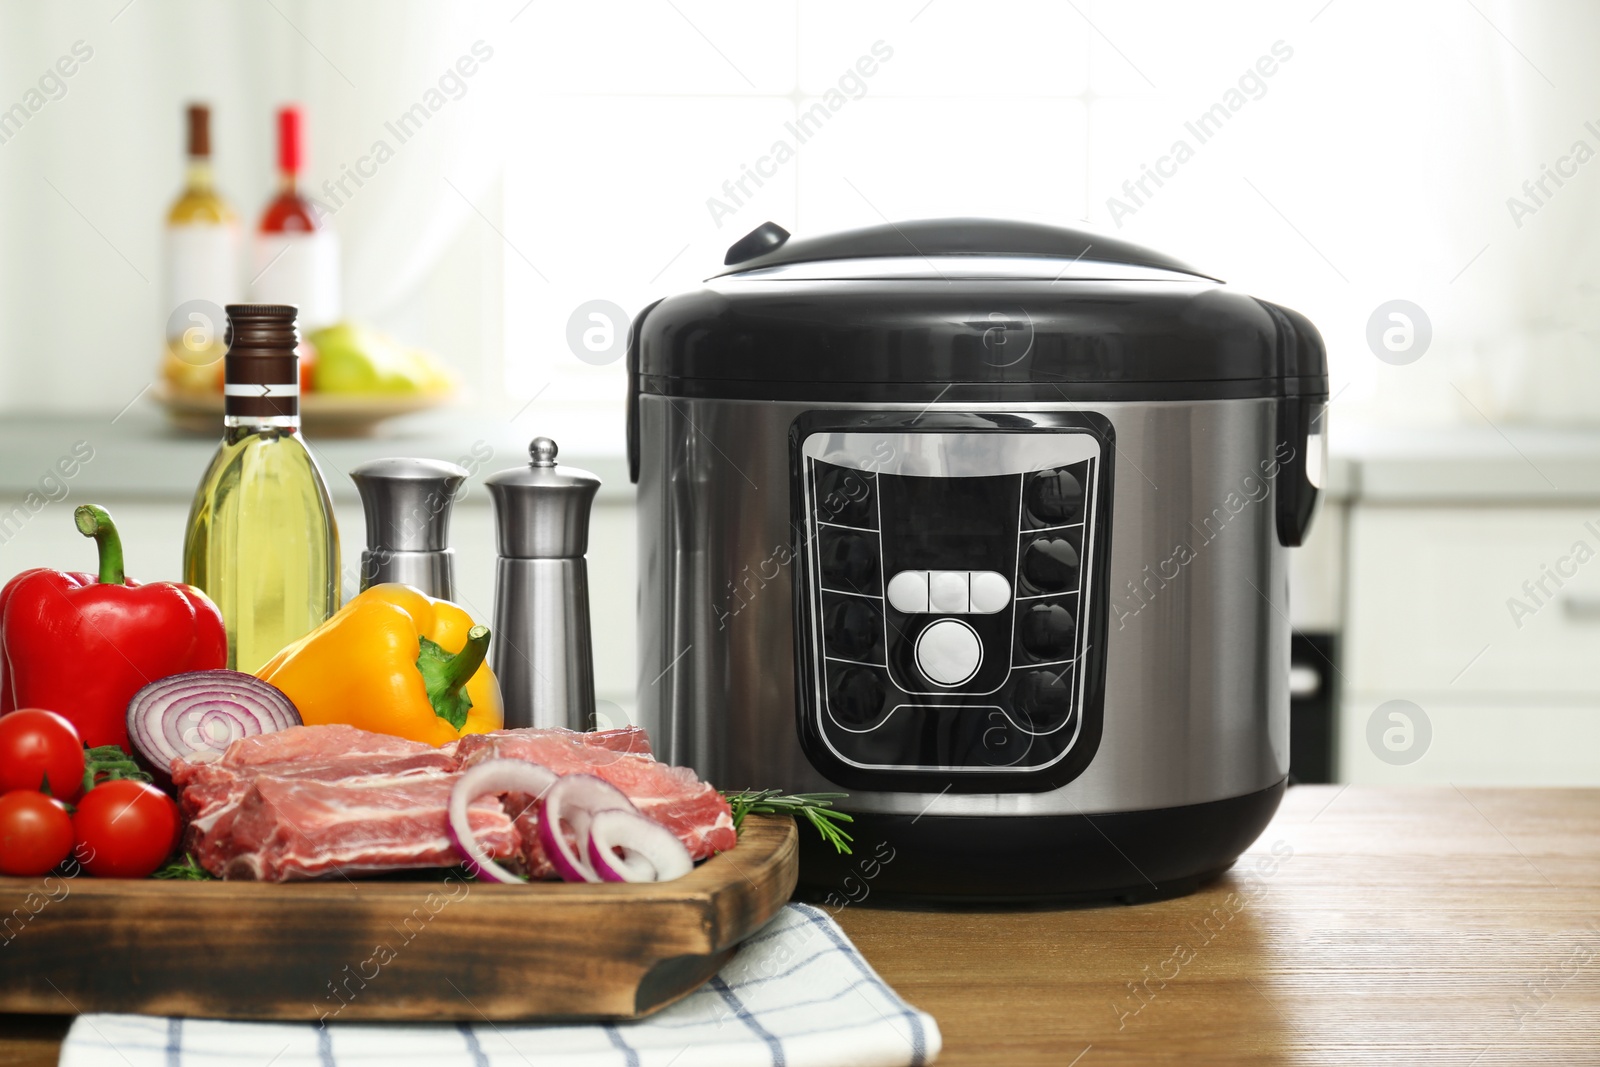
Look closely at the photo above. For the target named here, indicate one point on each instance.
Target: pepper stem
(445, 674)
(95, 521)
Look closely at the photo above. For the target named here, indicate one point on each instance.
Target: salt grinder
(541, 647)
(408, 503)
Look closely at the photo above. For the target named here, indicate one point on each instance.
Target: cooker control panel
(949, 605)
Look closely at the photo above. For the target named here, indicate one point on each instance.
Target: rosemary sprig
(184, 870)
(816, 808)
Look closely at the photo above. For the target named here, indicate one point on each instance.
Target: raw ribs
(211, 792)
(673, 796)
(313, 801)
(321, 801)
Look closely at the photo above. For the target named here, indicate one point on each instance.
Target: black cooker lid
(770, 245)
(967, 309)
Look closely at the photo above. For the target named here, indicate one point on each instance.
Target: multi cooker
(985, 524)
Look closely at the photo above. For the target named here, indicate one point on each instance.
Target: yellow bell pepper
(395, 661)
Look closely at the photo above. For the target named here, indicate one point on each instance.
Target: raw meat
(212, 791)
(469, 749)
(292, 829)
(673, 796)
(319, 801)
(320, 743)
(295, 828)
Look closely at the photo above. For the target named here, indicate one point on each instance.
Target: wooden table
(1393, 926)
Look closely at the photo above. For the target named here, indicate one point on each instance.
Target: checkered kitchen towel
(797, 994)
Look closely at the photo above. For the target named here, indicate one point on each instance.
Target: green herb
(817, 808)
(184, 870)
(110, 763)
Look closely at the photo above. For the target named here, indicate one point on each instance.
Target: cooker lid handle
(769, 244)
(768, 237)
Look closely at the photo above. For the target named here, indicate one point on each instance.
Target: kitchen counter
(138, 454)
(1482, 464)
(1367, 925)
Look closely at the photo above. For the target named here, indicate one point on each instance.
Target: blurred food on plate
(352, 358)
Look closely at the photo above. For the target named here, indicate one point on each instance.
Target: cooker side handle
(1302, 423)
(1301, 439)
(635, 330)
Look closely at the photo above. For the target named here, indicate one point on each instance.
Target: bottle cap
(261, 373)
(291, 149)
(542, 508)
(199, 131)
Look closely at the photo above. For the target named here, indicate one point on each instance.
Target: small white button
(989, 593)
(949, 652)
(908, 592)
(947, 592)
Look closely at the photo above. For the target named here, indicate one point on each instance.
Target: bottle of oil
(261, 539)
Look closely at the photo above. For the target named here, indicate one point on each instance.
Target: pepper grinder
(408, 503)
(541, 648)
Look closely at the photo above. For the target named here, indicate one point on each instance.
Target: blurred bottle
(296, 256)
(201, 269)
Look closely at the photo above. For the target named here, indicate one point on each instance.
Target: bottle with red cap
(296, 256)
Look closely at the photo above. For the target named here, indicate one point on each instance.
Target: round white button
(949, 652)
(947, 591)
(908, 592)
(989, 593)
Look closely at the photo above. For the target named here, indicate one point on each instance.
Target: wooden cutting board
(450, 949)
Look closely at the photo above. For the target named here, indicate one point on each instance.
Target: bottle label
(261, 386)
(202, 264)
(300, 269)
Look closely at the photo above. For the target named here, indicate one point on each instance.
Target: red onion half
(198, 714)
(491, 776)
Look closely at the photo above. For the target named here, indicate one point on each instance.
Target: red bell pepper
(82, 645)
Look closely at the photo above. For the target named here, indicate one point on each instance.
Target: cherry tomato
(35, 833)
(39, 747)
(125, 829)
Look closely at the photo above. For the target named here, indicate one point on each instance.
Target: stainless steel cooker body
(1195, 594)
(985, 524)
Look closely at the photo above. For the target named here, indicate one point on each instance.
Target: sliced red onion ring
(198, 714)
(574, 801)
(625, 846)
(492, 776)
